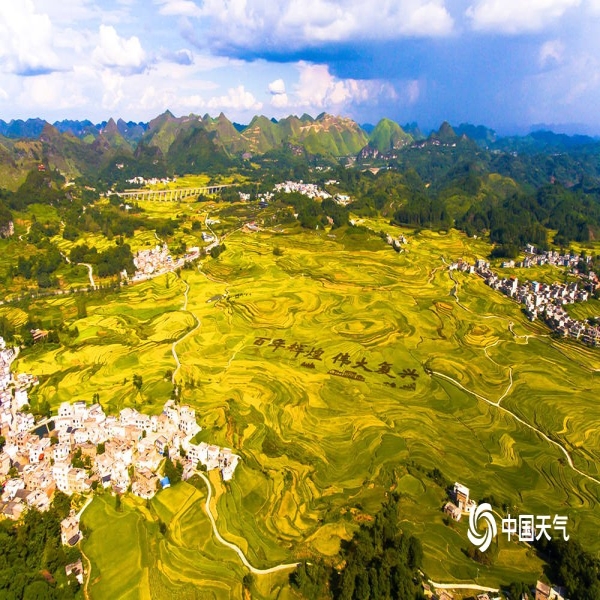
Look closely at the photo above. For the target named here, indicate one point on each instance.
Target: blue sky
(509, 64)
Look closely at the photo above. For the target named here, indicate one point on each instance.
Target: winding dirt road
(176, 342)
(237, 549)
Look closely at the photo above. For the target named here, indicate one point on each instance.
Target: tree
(137, 382)
(61, 504)
(173, 471)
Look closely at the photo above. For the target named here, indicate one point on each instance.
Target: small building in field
(453, 511)
(75, 570)
(461, 495)
(70, 533)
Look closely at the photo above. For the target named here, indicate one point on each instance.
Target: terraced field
(339, 371)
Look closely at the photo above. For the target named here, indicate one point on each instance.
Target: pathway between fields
(497, 404)
(90, 273)
(462, 586)
(514, 416)
(213, 522)
(89, 268)
(176, 342)
(88, 571)
(232, 546)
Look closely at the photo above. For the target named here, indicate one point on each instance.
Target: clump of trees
(380, 561)
(573, 567)
(217, 250)
(109, 262)
(33, 560)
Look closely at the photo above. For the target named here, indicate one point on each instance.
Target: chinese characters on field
(343, 365)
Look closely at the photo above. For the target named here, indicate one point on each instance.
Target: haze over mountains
(193, 143)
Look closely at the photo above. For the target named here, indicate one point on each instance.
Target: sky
(508, 64)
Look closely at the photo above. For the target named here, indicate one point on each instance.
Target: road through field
(233, 547)
(223, 541)
(176, 342)
(514, 416)
(497, 404)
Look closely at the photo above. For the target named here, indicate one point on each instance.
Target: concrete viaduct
(173, 195)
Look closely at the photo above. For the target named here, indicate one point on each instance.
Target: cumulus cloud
(279, 96)
(517, 16)
(277, 87)
(113, 94)
(180, 57)
(265, 26)
(115, 52)
(26, 40)
(238, 98)
(53, 91)
(551, 53)
(180, 8)
(318, 89)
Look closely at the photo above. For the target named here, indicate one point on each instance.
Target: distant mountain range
(199, 143)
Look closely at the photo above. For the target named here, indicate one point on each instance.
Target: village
(310, 190)
(83, 448)
(535, 257)
(158, 261)
(544, 301)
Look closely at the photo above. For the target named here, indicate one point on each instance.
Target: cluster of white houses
(157, 261)
(541, 300)
(152, 181)
(536, 257)
(306, 189)
(312, 191)
(545, 301)
(88, 448)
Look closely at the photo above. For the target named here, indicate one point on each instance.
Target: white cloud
(180, 8)
(53, 91)
(413, 91)
(280, 101)
(551, 53)
(299, 23)
(68, 11)
(277, 90)
(119, 53)
(318, 89)
(516, 16)
(277, 87)
(113, 94)
(3, 94)
(26, 40)
(238, 98)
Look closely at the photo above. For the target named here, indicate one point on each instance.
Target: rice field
(339, 370)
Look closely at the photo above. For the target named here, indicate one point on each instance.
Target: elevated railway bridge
(173, 195)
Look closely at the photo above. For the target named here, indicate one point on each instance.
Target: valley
(447, 375)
